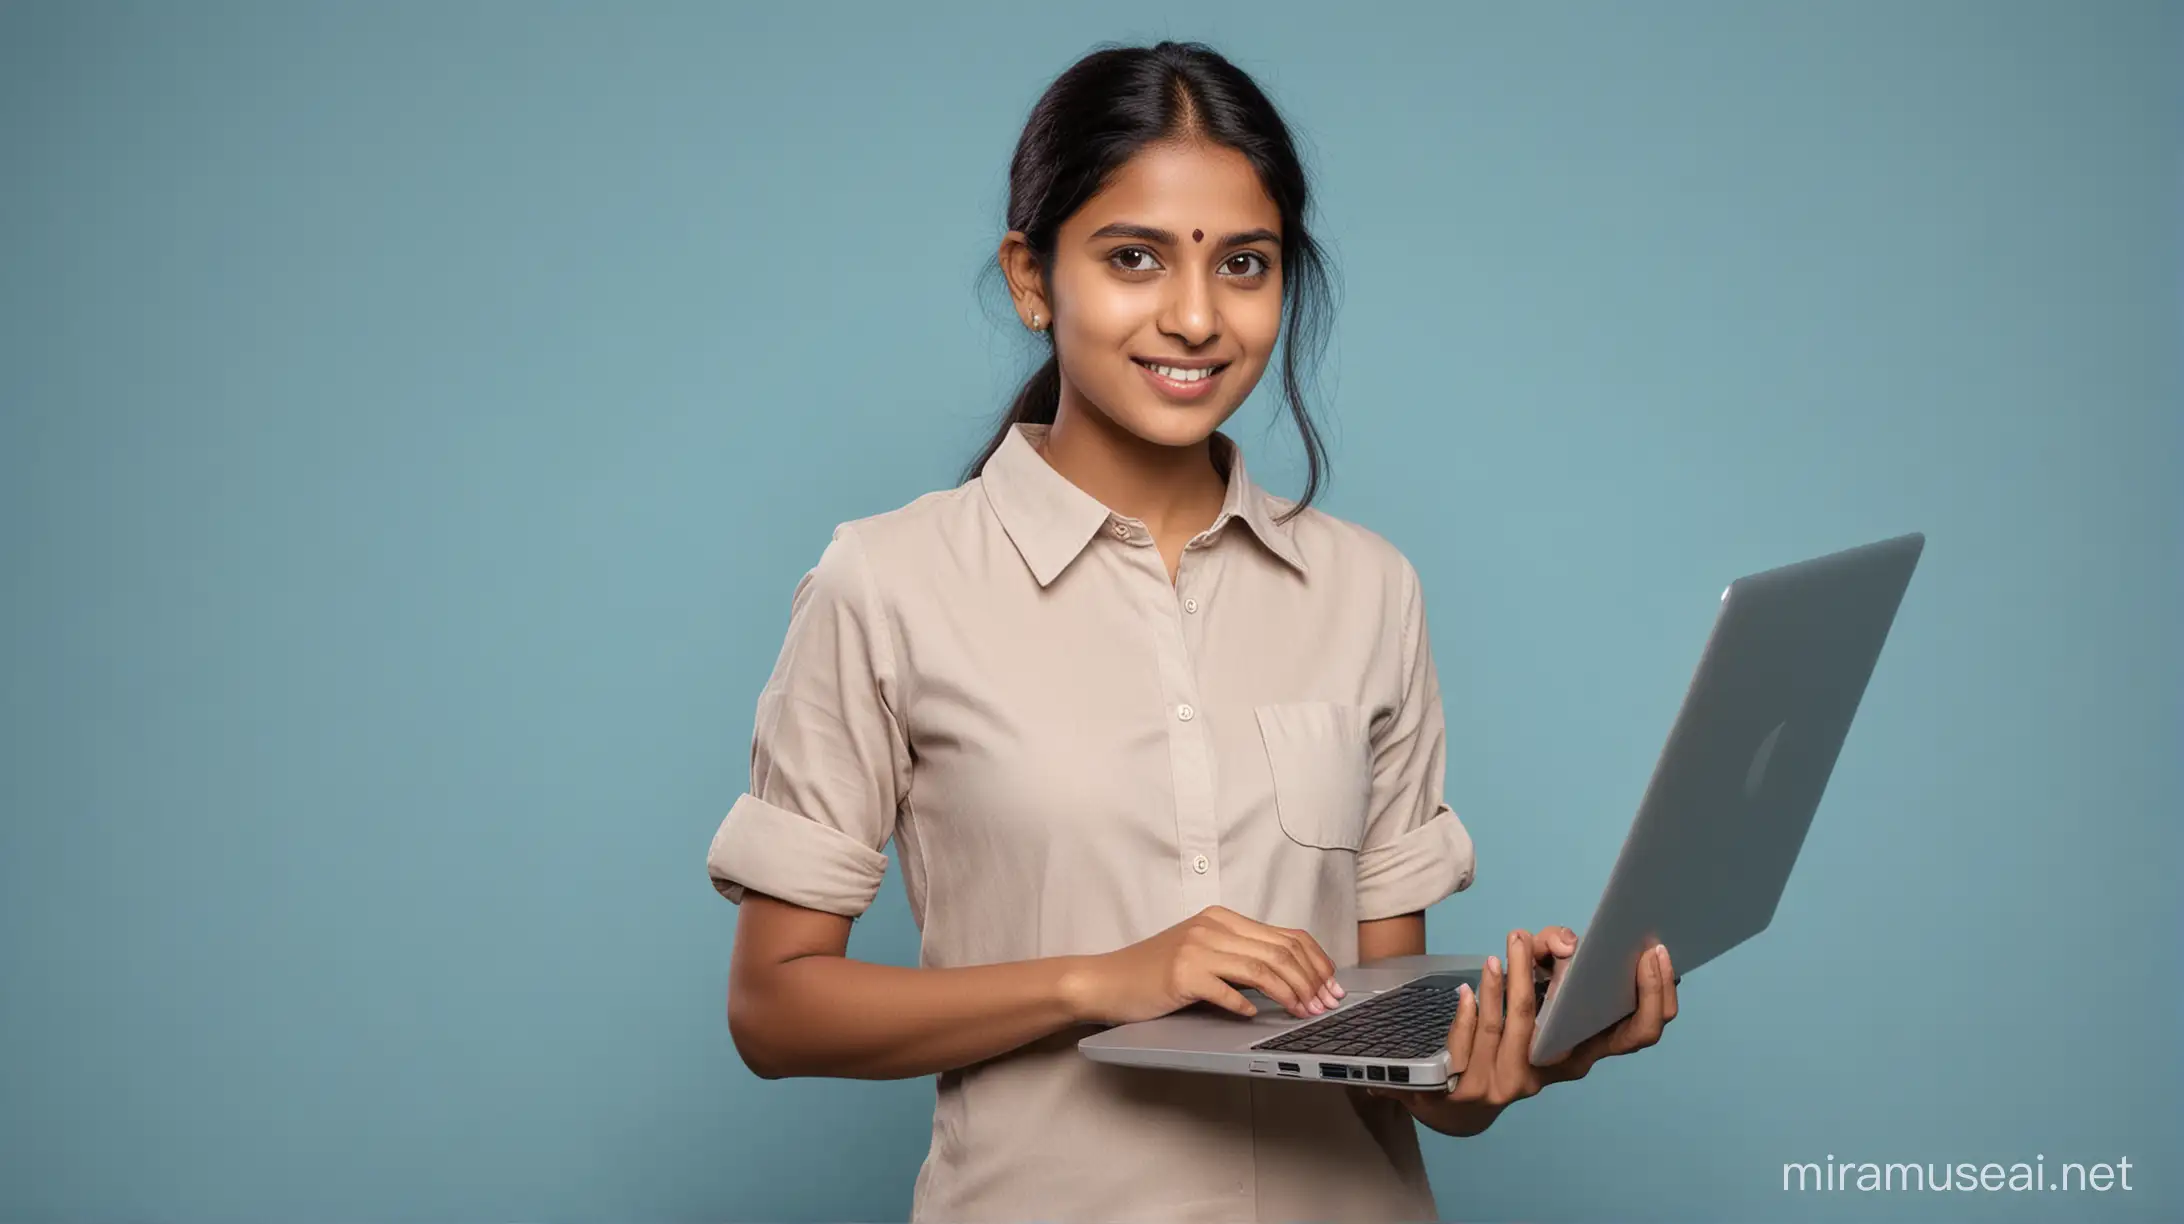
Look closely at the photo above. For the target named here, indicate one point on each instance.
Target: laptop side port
(1333, 1071)
(1399, 1075)
(1288, 1068)
(1375, 1073)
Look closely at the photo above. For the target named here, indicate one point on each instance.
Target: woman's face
(1178, 264)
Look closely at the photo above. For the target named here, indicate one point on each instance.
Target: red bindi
(1198, 235)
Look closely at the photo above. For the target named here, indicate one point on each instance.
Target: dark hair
(1099, 114)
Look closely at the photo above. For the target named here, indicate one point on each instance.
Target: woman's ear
(1027, 284)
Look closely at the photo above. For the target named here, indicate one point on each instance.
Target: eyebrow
(1148, 233)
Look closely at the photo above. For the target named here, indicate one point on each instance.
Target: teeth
(1180, 375)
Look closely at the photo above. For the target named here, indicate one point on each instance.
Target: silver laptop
(1701, 869)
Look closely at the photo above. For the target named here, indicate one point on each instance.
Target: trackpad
(1270, 1009)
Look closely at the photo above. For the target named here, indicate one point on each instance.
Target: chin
(1173, 426)
(1179, 433)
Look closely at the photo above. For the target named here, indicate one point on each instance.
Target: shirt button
(1185, 712)
(1200, 864)
(1190, 605)
(1122, 531)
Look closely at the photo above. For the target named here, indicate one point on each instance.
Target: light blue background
(417, 417)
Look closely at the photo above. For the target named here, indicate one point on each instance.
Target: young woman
(1143, 733)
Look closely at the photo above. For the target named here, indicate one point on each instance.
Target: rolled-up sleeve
(829, 760)
(1416, 851)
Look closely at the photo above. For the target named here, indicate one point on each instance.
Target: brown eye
(1127, 253)
(1263, 268)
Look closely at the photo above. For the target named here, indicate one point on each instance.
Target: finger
(1317, 967)
(1668, 986)
(1462, 1030)
(1309, 949)
(1219, 993)
(1555, 941)
(1225, 995)
(1644, 1025)
(1520, 983)
(1284, 959)
(1269, 944)
(1478, 1081)
(1514, 1065)
(1317, 957)
(1244, 969)
(1490, 998)
(1555, 976)
(1554, 946)
(1473, 1080)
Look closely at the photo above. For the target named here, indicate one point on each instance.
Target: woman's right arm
(797, 1005)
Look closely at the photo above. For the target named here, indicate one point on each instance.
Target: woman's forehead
(1184, 188)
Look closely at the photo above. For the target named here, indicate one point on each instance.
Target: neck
(1173, 490)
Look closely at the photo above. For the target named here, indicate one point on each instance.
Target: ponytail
(1036, 403)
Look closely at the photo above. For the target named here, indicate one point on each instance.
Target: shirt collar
(1050, 520)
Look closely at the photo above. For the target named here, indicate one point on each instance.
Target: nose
(1188, 314)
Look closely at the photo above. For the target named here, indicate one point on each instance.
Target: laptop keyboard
(1409, 1022)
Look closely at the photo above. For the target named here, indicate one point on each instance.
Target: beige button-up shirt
(1072, 754)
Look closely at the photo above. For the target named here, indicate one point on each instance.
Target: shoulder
(862, 554)
(1366, 576)
(1350, 554)
(923, 523)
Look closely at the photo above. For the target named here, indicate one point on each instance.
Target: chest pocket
(1321, 756)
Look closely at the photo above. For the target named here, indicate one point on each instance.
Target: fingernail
(1336, 987)
(1318, 1007)
(1463, 993)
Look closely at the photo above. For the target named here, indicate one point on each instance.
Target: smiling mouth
(1181, 375)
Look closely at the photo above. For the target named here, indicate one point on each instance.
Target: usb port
(1333, 1071)
(1375, 1073)
(1399, 1075)
(1291, 1068)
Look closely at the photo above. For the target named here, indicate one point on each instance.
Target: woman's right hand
(1205, 957)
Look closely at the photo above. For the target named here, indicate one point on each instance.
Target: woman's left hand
(1490, 1044)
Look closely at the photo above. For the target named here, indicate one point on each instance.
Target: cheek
(1103, 321)
(1091, 307)
(1258, 322)
(1258, 329)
